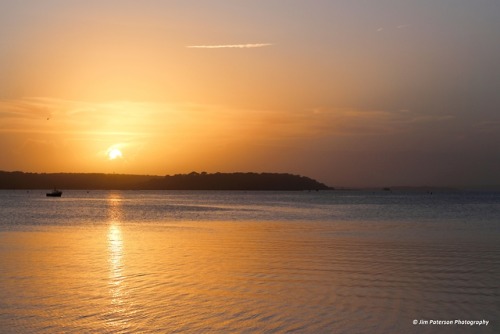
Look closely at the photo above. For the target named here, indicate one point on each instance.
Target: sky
(351, 93)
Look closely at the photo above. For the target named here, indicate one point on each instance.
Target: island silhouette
(191, 181)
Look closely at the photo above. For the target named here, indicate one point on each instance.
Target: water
(273, 262)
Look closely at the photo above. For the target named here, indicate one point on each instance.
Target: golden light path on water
(117, 290)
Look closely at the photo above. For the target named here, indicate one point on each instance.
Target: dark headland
(191, 181)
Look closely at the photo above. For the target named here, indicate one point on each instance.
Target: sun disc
(114, 154)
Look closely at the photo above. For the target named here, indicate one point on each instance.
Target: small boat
(54, 193)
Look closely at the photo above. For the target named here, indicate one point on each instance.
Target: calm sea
(249, 262)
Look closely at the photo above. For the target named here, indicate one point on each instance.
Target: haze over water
(312, 262)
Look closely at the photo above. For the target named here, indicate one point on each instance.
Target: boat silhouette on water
(54, 193)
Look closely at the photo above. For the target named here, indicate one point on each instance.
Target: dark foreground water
(228, 262)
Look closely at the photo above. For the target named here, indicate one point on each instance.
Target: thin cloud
(230, 46)
(346, 121)
(403, 26)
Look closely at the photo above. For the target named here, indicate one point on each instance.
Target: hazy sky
(352, 93)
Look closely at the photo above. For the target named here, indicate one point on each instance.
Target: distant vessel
(54, 193)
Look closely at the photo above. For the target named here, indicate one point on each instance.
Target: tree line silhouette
(191, 181)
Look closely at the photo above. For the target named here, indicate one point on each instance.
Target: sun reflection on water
(115, 247)
(116, 280)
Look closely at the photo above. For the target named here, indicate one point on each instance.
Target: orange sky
(347, 93)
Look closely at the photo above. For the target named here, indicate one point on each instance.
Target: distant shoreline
(191, 181)
(198, 181)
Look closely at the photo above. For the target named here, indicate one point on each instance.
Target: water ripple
(121, 275)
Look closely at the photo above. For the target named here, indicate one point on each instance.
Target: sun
(114, 153)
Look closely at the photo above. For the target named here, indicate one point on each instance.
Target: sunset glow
(346, 94)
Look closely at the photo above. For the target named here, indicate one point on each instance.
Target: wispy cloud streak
(230, 46)
(403, 26)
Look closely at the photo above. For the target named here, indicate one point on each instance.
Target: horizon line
(494, 187)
